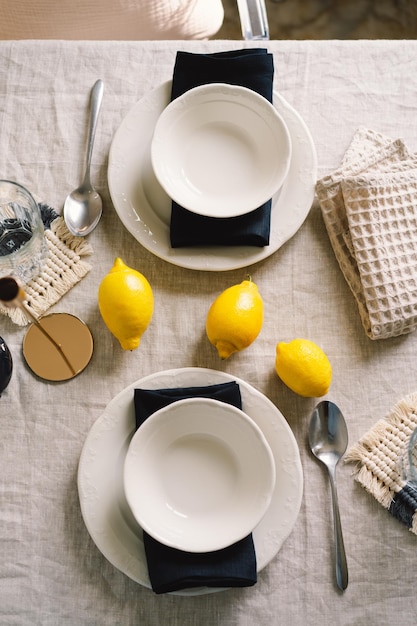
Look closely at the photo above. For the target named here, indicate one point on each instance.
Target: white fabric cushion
(110, 19)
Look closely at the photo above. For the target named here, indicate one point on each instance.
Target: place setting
(213, 170)
(190, 481)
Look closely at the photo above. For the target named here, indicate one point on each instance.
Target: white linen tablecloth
(51, 572)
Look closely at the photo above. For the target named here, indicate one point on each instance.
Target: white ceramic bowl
(220, 150)
(199, 475)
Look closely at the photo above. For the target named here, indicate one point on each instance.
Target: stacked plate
(250, 457)
(218, 150)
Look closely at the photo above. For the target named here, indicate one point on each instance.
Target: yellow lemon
(303, 367)
(125, 300)
(235, 318)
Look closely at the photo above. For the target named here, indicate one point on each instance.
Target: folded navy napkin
(171, 569)
(251, 68)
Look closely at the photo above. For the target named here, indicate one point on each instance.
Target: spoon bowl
(328, 438)
(83, 206)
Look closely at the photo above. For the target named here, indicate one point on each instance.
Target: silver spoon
(328, 439)
(83, 206)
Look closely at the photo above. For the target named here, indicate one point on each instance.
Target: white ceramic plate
(145, 209)
(199, 475)
(220, 150)
(105, 511)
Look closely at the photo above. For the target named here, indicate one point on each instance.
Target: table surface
(51, 571)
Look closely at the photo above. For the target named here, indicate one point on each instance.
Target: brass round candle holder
(57, 346)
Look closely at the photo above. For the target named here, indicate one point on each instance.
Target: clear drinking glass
(23, 248)
(411, 461)
(253, 19)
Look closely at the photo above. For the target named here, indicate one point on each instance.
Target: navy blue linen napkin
(251, 68)
(171, 569)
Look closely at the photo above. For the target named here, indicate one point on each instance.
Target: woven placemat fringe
(77, 244)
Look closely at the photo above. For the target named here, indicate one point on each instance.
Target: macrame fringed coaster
(64, 268)
(380, 458)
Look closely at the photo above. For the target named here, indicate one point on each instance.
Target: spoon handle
(341, 563)
(95, 104)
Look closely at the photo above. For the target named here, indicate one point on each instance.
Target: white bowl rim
(216, 534)
(246, 193)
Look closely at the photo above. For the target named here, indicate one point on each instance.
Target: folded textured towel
(380, 458)
(369, 206)
(64, 267)
(171, 569)
(251, 68)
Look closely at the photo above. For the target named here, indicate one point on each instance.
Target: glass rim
(19, 186)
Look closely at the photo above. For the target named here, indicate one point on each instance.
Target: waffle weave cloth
(369, 206)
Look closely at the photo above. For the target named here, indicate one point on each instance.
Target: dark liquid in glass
(14, 233)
